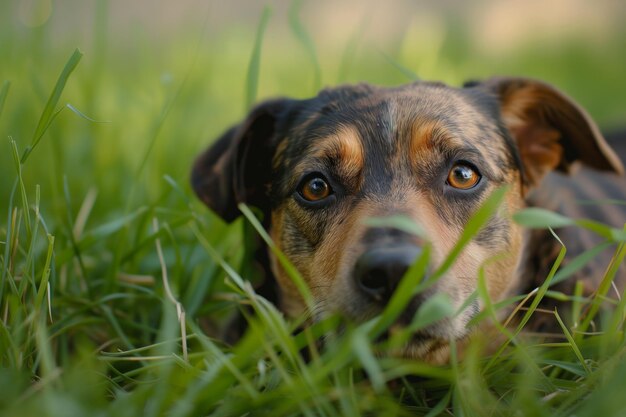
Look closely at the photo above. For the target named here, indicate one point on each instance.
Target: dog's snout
(378, 271)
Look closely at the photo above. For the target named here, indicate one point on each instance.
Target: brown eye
(463, 177)
(315, 189)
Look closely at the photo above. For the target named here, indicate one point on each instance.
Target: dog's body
(583, 194)
(318, 169)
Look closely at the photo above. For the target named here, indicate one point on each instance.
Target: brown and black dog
(319, 168)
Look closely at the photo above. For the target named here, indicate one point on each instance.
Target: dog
(317, 169)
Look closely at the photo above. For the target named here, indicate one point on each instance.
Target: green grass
(114, 277)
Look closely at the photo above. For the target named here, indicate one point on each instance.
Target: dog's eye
(314, 189)
(463, 176)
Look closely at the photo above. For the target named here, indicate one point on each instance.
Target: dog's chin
(433, 351)
(429, 345)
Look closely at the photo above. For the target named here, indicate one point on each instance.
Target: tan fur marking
(424, 133)
(345, 146)
(350, 150)
(330, 255)
(543, 121)
(278, 155)
(291, 301)
(539, 144)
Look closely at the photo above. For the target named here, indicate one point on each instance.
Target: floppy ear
(550, 129)
(237, 167)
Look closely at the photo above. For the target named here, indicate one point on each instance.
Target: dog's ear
(550, 129)
(237, 167)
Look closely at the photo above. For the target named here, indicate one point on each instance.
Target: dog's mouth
(423, 344)
(407, 338)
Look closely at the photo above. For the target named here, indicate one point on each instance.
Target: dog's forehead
(379, 116)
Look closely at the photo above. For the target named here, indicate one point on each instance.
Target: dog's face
(319, 169)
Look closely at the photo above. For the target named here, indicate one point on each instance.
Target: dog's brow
(429, 134)
(343, 148)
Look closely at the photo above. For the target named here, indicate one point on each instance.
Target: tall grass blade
(350, 51)
(4, 92)
(407, 289)
(44, 348)
(572, 343)
(403, 69)
(440, 407)
(579, 262)
(284, 261)
(49, 110)
(476, 222)
(180, 310)
(70, 228)
(603, 288)
(83, 115)
(361, 346)
(217, 258)
(22, 188)
(403, 223)
(45, 275)
(7, 245)
(305, 39)
(538, 218)
(541, 292)
(254, 67)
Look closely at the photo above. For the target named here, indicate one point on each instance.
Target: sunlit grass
(89, 315)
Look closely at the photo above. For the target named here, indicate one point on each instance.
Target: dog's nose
(378, 271)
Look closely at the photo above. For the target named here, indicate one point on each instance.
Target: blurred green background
(173, 73)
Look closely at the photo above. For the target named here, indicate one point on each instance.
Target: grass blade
(45, 276)
(400, 222)
(4, 92)
(49, 110)
(408, 287)
(349, 53)
(361, 346)
(7, 245)
(22, 187)
(305, 39)
(538, 218)
(572, 342)
(291, 270)
(533, 306)
(473, 226)
(252, 80)
(83, 115)
(404, 70)
(603, 289)
(577, 263)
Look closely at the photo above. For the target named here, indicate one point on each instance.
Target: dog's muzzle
(378, 271)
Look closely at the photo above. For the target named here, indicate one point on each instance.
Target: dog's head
(319, 168)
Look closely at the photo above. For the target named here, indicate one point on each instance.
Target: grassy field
(113, 276)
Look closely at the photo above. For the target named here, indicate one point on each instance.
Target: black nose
(378, 271)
